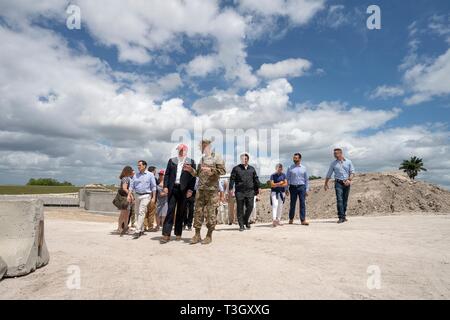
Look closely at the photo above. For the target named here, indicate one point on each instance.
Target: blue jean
(342, 193)
(297, 192)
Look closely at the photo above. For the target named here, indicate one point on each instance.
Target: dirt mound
(371, 194)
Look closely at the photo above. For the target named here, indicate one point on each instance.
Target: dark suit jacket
(187, 181)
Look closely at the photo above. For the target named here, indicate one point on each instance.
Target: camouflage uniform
(206, 203)
(207, 199)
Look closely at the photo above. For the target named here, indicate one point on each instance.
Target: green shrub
(47, 182)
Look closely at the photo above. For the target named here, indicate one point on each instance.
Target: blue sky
(114, 91)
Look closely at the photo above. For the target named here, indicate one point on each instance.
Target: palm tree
(412, 167)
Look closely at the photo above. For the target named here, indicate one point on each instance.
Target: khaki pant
(231, 209)
(150, 216)
(141, 206)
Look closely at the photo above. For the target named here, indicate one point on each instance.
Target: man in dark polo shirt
(245, 182)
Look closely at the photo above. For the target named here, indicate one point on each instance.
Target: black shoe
(241, 228)
(137, 235)
(341, 220)
(247, 225)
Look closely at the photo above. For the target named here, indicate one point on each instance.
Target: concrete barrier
(22, 243)
(81, 197)
(3, 267)
(100, 201)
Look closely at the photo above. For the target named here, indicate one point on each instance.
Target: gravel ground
(322, 261)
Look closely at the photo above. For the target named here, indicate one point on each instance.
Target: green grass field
(37, 189)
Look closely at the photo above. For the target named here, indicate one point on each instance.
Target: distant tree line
(47, 182)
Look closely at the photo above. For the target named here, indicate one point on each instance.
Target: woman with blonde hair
(278, 183)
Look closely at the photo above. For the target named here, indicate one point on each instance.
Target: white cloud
(167, 83)
(430, 80)
(272, 98)
(299, 12)
(285, 68)
(201, 66)
(385, 92)
(424, 78)
(17, 11)
(147, 28)
(440, 25)
(336, 17)
(271, 19)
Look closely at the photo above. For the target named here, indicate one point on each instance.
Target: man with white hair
(343, 171)
(179, 185)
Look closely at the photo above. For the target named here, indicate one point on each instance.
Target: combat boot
(196, 238)
(208, 238)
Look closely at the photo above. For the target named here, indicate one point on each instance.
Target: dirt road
(322, 261)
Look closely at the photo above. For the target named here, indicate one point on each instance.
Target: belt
(339, 181)
(296, 185)
(141, 194)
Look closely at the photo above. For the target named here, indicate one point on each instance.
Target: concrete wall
(62, 199)
(100, 201)
(22, 243)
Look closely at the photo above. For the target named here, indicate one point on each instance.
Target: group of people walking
(187, 194)
(295, 184)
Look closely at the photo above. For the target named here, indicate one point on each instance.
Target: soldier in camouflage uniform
(209, 170)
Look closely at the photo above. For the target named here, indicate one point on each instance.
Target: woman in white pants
(278, 183)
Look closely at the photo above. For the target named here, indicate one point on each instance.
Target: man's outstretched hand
(187, 167)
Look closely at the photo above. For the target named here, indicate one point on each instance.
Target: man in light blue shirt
(143, 184)
(298, 181)
(344, 172)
